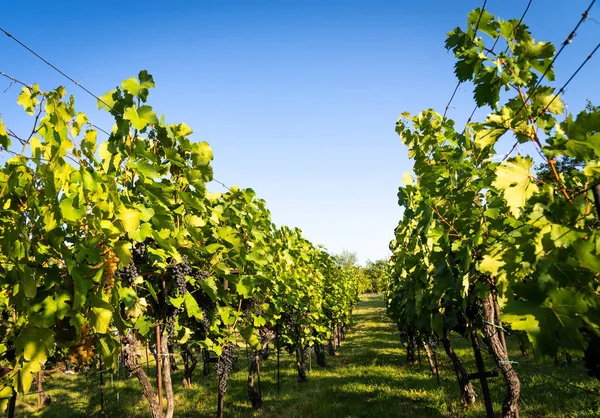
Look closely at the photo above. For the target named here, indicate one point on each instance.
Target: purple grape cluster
(224, 366)
(139, 253)
(129, 272)
(179, 272)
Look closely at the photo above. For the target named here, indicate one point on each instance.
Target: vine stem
(534, 136)
(445, 221)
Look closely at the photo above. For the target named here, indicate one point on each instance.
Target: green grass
(368, 379)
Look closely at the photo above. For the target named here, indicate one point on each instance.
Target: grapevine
(482, 241)
(121, 235)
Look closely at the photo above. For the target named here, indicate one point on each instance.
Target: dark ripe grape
(139, 253)
(207, 305)
(180, 272)
(205, 321)
(129, 272)
(224, 366)
(171, 320)
(170, 327)
(201, 274)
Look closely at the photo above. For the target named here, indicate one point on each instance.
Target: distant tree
(346, 259)
(564, 164)
(374, 273)
(349, 261)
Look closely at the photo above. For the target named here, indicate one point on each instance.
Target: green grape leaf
(230, 235)
(139, 88)
(100, 314)
(249, 335)
(107, 101)
(191, 307)
(145, 169)
(29, 100)
(140, 117)
(34, 343)
(585, 253)
(70, 212)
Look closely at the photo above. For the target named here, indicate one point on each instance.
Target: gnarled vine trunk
(166, 372)
(189, 364)
(205, 362)
(510, 408)
(265, 352)
(320, 354)
(432, 366)
(254, 373)
(132, 364)
(301, 363)
(173, 360)
(411, 348)
(333, 343)
(467, 392)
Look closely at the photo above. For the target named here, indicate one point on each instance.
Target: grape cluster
(83, 352)
(170, 328)
(179, 272)
(110, 266)
(129, 272)
(201, 275)
(139, 253)
(224, 366)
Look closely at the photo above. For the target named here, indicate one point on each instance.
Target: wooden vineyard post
(101, 389)
(437, 368)
(596, 193)
(278, 352)
(12, 405)
(147, 360)
(258, 374)
(158, 369)
(489, 408)
(39, 389)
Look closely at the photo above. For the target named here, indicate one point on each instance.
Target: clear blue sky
(298, 99)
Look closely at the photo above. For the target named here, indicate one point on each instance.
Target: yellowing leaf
(514, 178)
(130, 219)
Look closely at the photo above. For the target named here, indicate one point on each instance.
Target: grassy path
(365, 380)
(369, 378)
